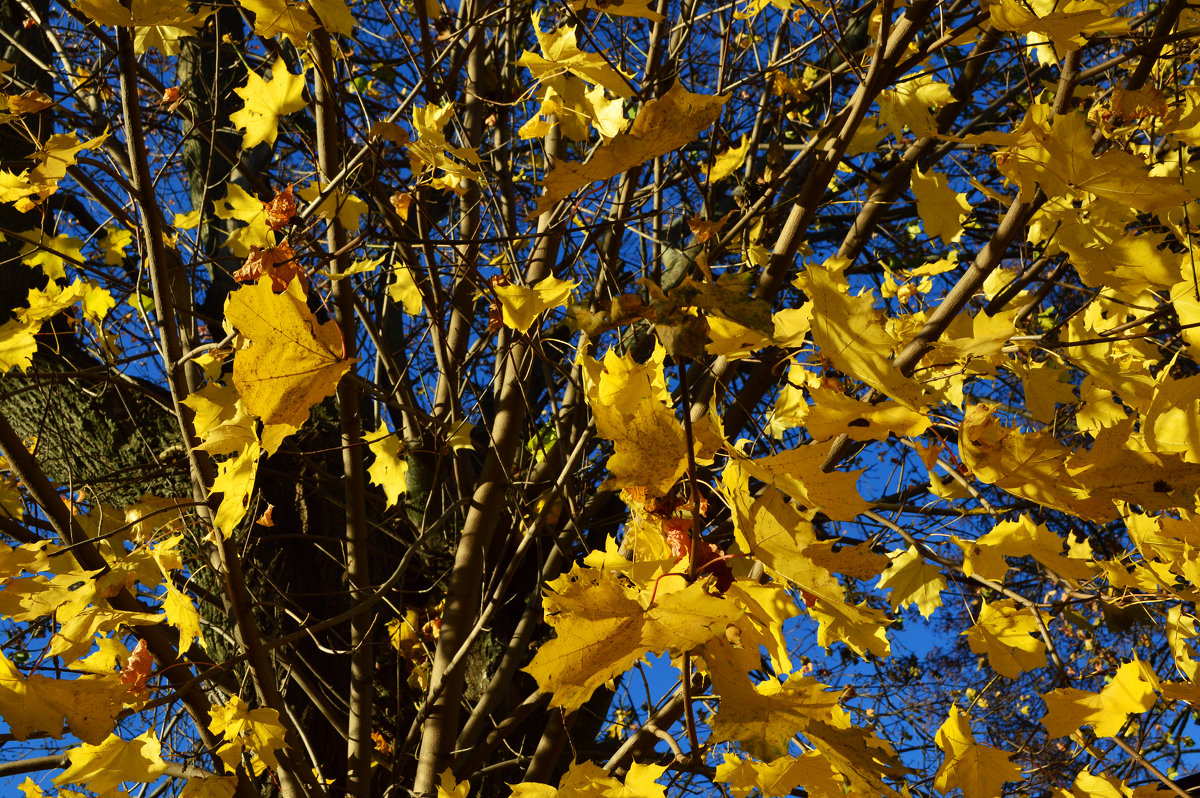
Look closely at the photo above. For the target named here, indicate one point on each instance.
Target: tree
(387, 386)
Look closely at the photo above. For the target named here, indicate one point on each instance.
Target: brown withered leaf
(279, 263)
(281, 209)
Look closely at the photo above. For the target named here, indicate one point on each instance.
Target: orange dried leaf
(277, 262)
(266, 518)
(137, 670)
(281, 209)
(172, 98)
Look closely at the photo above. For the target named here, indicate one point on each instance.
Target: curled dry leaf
(267, 519)
(281, 209)
(277, 262)
(137, 669)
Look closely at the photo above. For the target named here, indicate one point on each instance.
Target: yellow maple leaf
(1065, 24)
(292, 361)
(1007, 634)
(1129, 692)
(389, 469)
(51, 254)
(791, 325)
(781, 776)
(79, 628)
(862, 628)
(1029, 465)
(346, 207)
(30, 788)
(662, 125)
(221, 421)
(181, 613)
(564, 73)
(235, 483)
(102, 767)
(210, 787)
(852, 334)
(763, 718)
(910, 105)
(833, 413)
(1169, 421)
(1086, 482)
(31, 186)
(1056, 152)
(797, 472)
(240, 205)
(521, 304)
(784, 541)
(862, 759)
(29, 102)
(431, 151)
(733, 341)
(289, 18)
(159, 22)
(1102, 785)
(18, 341)
(38, 704)
(602, 628)
(335, 16)
(1021, 538)
(1046, 385)
(980, 771)
(632, 409)
(729, 161)
(448, 787)
(589, 780)
(115, 243)
(405, 634)
(17, 344)
(941, 208)
(16, 188)
(912, 581)
(404, 291)
(242, 727)
(619, 8)
(266, 102)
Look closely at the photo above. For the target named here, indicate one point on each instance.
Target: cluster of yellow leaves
(632, 408)
(635, 599)
(157, 24)
(563, 72)
(257, 731)
(627, 602)
(662, 125)
(432, 152)
(588, 780)
(1064, 25)
(18, 341)
(295, 20)
(1056, 154)
(28, 188)
(41, 580)
(286, 363)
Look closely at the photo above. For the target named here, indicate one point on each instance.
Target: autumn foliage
(599, 398)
